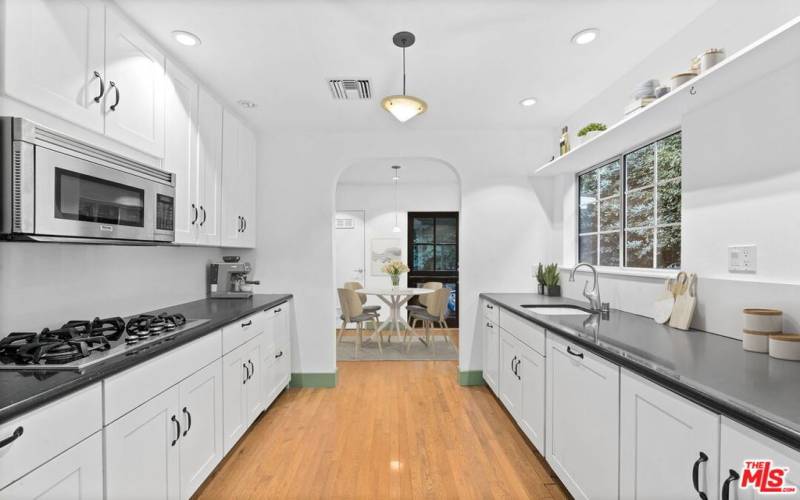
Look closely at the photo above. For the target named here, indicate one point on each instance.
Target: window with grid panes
(629, 209)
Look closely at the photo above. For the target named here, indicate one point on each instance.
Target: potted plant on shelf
(394, 268)
(540, 279)
(552, 280)
(589, 131)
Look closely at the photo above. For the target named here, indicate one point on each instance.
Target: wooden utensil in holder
(685, 301)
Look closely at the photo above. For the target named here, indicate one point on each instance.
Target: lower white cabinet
(582, 435)
(282, 372)
(531, 370)
(510, 386)
(668, 445)
(491, 354)
(76, 474)
(738, 444)
(242, 396)
(166, 447)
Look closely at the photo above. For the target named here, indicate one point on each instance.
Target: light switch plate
(742, 258)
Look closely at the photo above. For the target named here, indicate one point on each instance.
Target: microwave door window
(91, 199)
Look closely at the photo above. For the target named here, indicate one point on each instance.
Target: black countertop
(710, 369)
(21, 391)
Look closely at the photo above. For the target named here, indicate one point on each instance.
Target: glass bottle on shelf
(563, 144)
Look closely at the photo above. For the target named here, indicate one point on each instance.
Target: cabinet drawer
(127, 390)
(241, 331)
(525, 331)
(48, 431)
(491, 312)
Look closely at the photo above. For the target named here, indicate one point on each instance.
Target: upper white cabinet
(134, 104)
(582, 432)
(180, 151)
(738, 444)
(209, 157)
(54, 57)
(668, 445)
(237, 225)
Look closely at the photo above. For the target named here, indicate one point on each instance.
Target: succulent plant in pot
(540, 279)
(552, 280)
(590, 130)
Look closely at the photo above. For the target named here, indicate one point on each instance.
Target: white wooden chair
(434, 314)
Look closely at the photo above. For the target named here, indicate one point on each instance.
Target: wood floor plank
(391, 429)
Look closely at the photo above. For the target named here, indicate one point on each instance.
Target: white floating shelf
(770, 53)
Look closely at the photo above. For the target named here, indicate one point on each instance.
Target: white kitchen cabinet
(209, 191)
(491, 354)
(54, 57)
(269, 363)
(510, 386)
(283, 355)
(242, 390)
(142, 457)
(666, 443)
(739, 443)
(180, 151)
(237, 225)
(531, 417)
(201, 427)
(582, 420)
(76, 474)
(134, 101)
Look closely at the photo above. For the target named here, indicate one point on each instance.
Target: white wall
(47, 284)
(377, 202)
(505, 227)
(741, 181)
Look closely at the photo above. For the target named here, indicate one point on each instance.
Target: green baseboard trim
(474, 377)
(314, 379)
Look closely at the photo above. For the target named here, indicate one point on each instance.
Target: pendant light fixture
(404, 107)
(395, 179)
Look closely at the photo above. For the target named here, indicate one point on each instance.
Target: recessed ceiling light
(528, 101)
(186, 38)
(246, 104)
(584, 36)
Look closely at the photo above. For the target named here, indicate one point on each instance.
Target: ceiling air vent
(350, 89)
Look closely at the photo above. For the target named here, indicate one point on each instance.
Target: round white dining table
(395, 298)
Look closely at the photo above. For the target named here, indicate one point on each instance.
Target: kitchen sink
(558, 310)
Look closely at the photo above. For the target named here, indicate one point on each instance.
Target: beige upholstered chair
(434, 314)
(352, 312)
(423, 299)
(355, 285)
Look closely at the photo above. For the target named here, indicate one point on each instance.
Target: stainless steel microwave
(55, 188)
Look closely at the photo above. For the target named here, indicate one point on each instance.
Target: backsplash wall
(45, 284)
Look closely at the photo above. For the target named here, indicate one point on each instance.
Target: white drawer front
(525, 331)
(48, 431)
(125, 391)
(491, 312)
(241, 331)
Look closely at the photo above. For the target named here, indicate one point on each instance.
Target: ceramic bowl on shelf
(681, 78)
(762, 320)
(785, 346)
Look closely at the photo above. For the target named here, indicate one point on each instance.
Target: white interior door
(349, 237)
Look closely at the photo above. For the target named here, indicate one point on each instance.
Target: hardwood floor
(401, 429)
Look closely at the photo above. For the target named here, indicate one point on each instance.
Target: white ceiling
(413, 171)
(473, 60)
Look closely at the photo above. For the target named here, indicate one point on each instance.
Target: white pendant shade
(404, 107)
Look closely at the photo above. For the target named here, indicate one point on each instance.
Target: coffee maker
(228, 279)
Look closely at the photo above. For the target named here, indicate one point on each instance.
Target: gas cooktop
(80, 344)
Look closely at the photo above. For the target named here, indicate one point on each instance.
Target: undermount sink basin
(558, 310)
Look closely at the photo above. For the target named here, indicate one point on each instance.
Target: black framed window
(433, 242)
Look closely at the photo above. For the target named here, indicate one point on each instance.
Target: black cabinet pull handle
(516, 368)
(512, 363)
(489, 306)
(204, 215)
(116, 90)
(102, 87)
(696, 475)
(13, 437)
(188, 420)
(245, 224)
(489, 325)
(247, 323)
(239, 229)
(252, 369)
(279, 355)
(726, 486)
(576, 354)
(278, 310)
(246, 373)
(196, 213)
(178, 430)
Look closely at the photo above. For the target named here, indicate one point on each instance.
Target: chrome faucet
(594, 294)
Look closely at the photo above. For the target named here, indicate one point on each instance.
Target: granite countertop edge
(662, 376)
(34, 399)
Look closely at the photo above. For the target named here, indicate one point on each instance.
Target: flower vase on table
(394, 269)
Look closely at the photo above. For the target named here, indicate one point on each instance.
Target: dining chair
(422, 300)
(353, 312)
(435, 313)
(355, 285)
